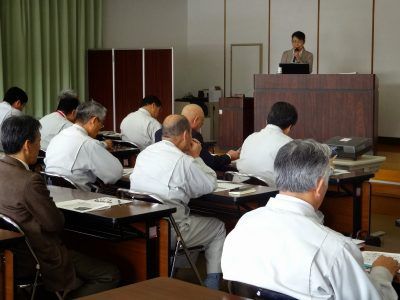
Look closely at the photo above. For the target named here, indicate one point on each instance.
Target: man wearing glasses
(76, 154)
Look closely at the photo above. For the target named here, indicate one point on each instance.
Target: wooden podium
(327, 104)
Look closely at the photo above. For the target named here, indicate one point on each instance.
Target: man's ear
(26, 146)
(17, 104)
(320, 189)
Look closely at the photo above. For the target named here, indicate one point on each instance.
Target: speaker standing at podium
(298, 54)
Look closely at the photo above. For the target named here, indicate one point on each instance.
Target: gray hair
(300, 164)
(89, 109)
(175, 128)
(67, 93)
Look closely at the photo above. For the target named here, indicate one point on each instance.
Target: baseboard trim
(388, 140)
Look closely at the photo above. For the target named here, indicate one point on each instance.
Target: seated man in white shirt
(62, 118)
(139, 127)
(284, 247)
(259, 149)
(76, 154)
(13, 103)
(172, 170)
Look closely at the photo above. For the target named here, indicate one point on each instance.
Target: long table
(162, 289)
(347, 204)
(7, 238)
(229, 208)
(134, 236)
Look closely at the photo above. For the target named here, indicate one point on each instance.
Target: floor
(383, 219)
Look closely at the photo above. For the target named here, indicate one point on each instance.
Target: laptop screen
(294, 68)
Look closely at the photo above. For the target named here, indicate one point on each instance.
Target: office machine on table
(349, 147)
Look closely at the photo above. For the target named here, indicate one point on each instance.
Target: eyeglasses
(101, 123)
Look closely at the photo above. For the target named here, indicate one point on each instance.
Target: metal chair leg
(187, 254)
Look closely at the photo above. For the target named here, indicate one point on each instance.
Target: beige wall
(196, 29)
(149, 24)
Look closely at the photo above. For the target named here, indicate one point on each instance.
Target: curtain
(43, 47)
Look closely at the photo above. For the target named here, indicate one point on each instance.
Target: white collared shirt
(74, 154)
(6, 111)
(22, 162)
(139, 127)
(175, 177)
(52, 124)
(284, 247)
(259, 150)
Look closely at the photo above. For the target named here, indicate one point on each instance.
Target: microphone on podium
(294, 57)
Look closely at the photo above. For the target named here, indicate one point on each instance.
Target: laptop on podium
(294, 68)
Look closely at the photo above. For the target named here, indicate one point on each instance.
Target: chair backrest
(245, 178)
(128, 194)
(58, 180)
(12, 225)
(253, 292)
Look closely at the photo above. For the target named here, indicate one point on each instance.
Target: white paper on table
(340, 171)
(371, 256)
(79, 205)
(226, 185)
(127, 171)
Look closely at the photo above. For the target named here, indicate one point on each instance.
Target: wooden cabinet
(235, 121)
(120, 79)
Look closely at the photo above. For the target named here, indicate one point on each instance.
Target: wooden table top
(130, 212)
(7, 237)
(162, 288)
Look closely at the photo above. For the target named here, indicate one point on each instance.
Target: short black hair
(300, 35)
(282, 114)
(15, 93)
(16, 130)
(67, 101)
(148, 100)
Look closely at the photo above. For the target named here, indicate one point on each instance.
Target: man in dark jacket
(195, 115)
(25, 198)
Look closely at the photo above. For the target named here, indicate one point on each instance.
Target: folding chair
(58, 180)
(180, 243)
(253, 292)
(33, 282)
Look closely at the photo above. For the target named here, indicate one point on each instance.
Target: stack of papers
(227, 185)
(127, 171)
(79, 205)
(371, 256)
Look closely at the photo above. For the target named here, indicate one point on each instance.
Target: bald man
(173, 171)
(195, 115)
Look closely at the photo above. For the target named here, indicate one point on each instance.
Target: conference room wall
(288, 16)
(387, 65)
(133, 24)
(196, 30)
(205, 48)
(345, 36)
(246, 27)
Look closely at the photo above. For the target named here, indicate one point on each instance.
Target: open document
(371, 256)
(79, 205)
(227, 185)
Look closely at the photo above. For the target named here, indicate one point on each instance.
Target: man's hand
(234, 154)
(195, 148)
(108, 144)
(389, 263)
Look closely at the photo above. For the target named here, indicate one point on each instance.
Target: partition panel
(100, 81)
(158, 74)
(128, 82)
